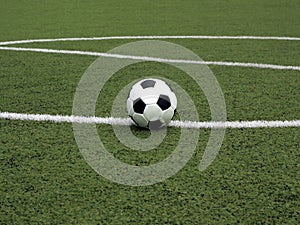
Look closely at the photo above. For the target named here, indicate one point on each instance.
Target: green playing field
(254, 179)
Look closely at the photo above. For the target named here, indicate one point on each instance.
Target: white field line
(152, 37)
(153, 59)
(235, 124)
(127, 121)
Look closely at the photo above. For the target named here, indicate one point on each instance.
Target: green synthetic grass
(255, 177)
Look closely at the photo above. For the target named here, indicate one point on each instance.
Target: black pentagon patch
(148, 83)
(163, 102)
(139, 106)
(155, 125)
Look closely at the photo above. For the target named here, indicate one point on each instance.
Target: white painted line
(127, 121)
(236, 124)
(153, 59)
(66, 119)
(152, 37)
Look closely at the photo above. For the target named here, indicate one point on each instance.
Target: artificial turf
(44, 178)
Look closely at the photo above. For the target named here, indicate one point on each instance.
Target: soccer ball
(151, 103)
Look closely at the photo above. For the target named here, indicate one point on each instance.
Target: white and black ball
(151, 103)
